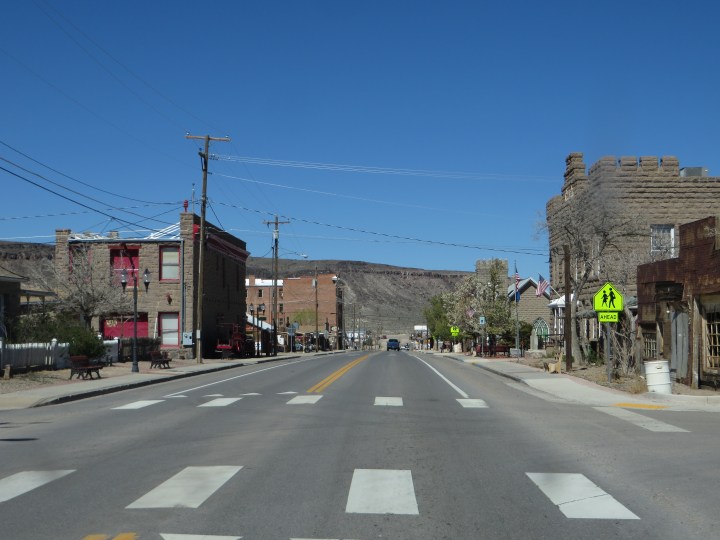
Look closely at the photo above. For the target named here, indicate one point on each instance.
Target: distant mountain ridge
(389, 299)
(385, 298)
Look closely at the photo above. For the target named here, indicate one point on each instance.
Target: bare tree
(596, 229)
(85, 289)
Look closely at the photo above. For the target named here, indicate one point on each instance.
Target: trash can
(657, 376)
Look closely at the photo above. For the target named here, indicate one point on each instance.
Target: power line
(528, 251)
(379, 170)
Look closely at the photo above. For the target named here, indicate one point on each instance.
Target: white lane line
(473, 403)
(304, 400)
(25, 481)
(187, 489)
(286, 393)
(197, 537)
(463, 394)
(641, 421)
(139, 404)
(381, 491)
(213, 395)
(221, 402)
(240, 376)
(389, 401)
(252, 394)
(578, 498)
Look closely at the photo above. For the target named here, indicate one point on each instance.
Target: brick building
(679, 305)
(296, 304)
(167, 307)
(655, 191)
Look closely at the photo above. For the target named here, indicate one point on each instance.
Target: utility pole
(276, 236)
(568, 311)
(317, 336)
(204, 156)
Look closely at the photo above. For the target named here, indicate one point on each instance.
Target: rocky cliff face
(26, 259)
(387, 299)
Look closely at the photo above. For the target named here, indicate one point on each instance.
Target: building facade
(168, 261)
(296, 306)
(679, 306)
(653, 193)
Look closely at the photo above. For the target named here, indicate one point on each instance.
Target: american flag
(517, 284)
(543, 284)
(470, 312)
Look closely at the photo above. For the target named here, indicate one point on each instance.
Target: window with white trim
(169, 329)
(169, 263)
(662, 241)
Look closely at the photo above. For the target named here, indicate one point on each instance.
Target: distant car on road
(393, 345)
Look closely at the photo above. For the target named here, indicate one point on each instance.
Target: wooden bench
(83, 367)
(159, 359)
(501, 349)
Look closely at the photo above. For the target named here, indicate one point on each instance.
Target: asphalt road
(387, 445)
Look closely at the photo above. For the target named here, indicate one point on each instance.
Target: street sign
(482, 321)
(455, 331)
(608, 316)
(608, 298)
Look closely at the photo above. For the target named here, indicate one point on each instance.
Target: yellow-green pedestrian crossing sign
(608, 298)
(455, 330)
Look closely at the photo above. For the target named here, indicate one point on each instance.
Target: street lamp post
(261, 309)
(252, 316)
(123, 282)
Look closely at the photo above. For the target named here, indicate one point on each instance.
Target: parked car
(393, 345)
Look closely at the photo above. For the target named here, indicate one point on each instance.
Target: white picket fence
(53, 355)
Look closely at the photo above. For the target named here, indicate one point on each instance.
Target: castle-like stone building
(655, 194)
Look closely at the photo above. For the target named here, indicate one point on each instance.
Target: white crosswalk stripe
(220, 402)
(304, 400)
(197, 537)
(640, 420)
(22, 482)
(188, 489)
(389, 401)
(382, 491)
(578, 498)
(138, 404)
(473, 403)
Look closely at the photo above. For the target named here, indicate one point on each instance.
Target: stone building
(679, 306)
(654, 193)
(169, 261)
(296, 305)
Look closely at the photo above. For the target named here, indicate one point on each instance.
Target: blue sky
(451, 120)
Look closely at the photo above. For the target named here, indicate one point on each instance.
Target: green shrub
(83, 341)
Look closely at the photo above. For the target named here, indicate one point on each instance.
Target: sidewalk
(577, 390)
(561, 386)
(84, 388)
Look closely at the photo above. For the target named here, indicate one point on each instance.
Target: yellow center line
(639, 406)
(327, 381)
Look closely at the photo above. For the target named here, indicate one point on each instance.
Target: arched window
(540, 333)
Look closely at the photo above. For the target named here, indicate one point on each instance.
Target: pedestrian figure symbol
(608, 298)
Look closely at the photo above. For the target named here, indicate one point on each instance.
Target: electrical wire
(378, 170)
(527, 251)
